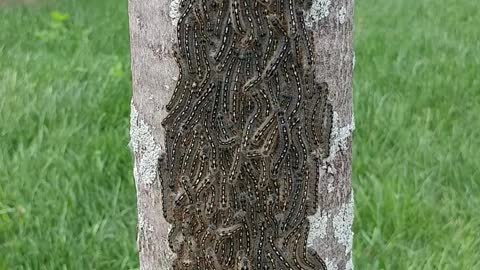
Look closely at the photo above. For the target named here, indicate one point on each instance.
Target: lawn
(67, 198)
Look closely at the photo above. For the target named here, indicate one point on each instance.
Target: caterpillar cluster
(246, 127)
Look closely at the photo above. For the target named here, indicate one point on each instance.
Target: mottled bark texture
(284, 56)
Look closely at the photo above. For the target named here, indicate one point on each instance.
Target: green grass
(67, 199)
(416, 153)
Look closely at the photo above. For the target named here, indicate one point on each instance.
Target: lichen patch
(320, 9)
(145, 149)
(175, 11)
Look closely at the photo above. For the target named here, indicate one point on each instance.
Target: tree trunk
(286, 203)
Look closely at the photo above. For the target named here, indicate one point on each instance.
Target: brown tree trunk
(153, 37)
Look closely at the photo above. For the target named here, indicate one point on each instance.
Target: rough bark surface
(155, 72)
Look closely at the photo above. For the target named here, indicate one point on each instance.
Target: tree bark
(153, 37)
